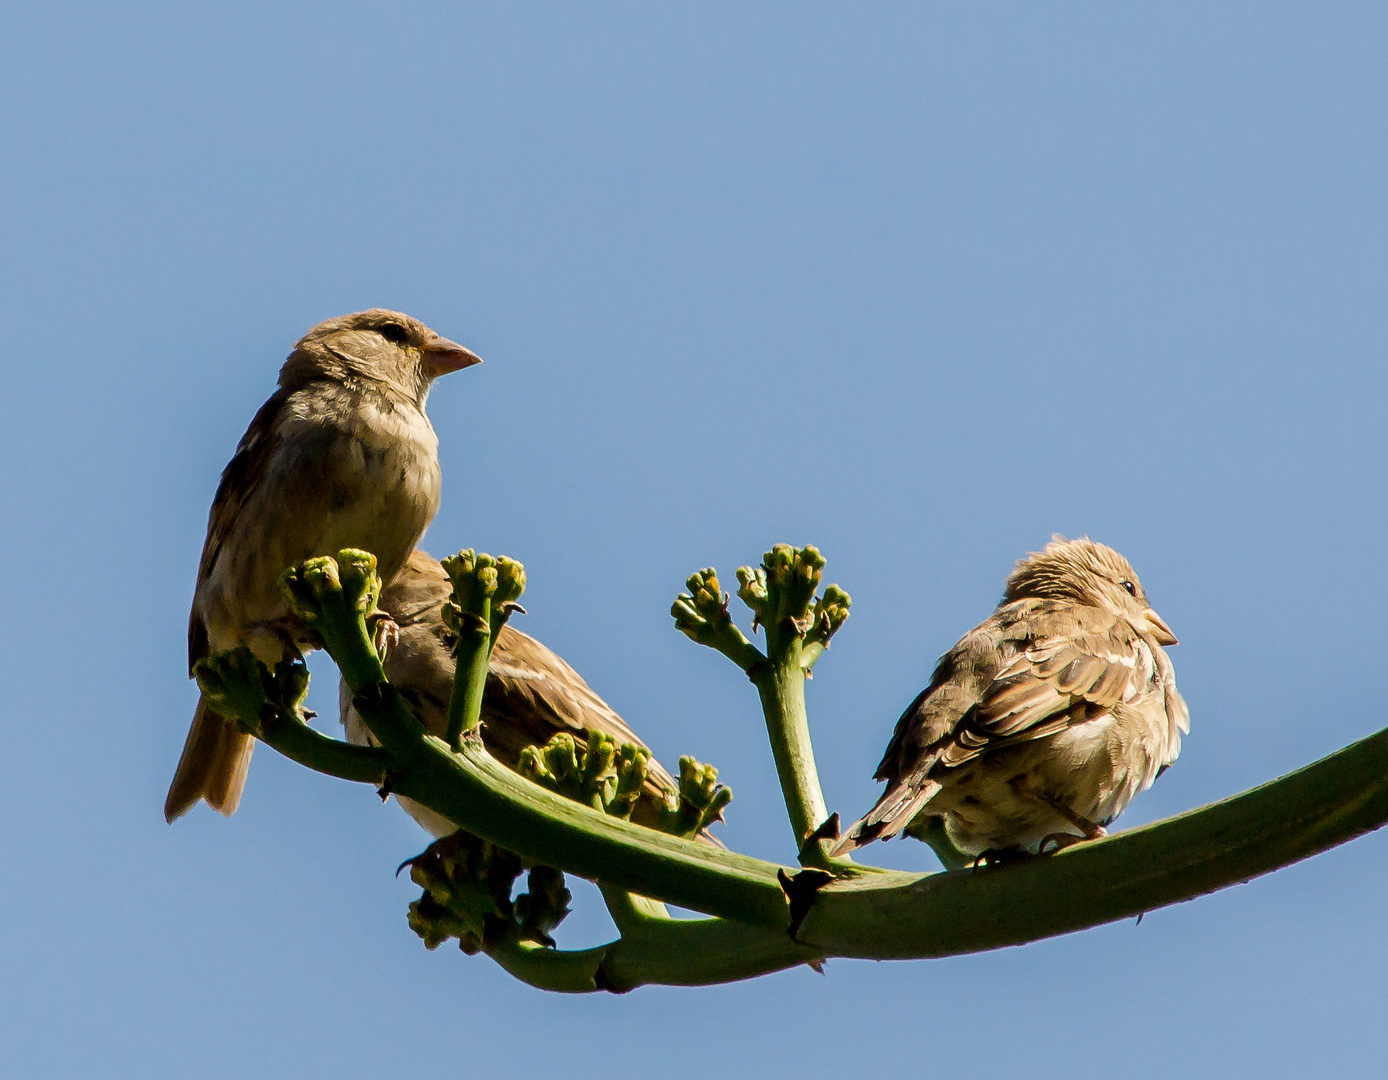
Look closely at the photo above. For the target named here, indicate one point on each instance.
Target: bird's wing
(1033, 668)
(241, 476)
(531, 693)
(1072, 663)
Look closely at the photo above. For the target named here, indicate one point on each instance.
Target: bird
(531, 694)
(341, 455)
(1040, 726)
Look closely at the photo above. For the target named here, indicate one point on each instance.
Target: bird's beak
(1158, 628)
(442, 356)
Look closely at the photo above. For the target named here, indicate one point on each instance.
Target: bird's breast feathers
(343, 469)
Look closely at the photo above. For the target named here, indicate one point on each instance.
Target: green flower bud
(561, 757)
(632, 766)
(597, 764)
(474, 578)
(510, 580)
(305, 586)
(830, 611)
(700, 801)
(544, 905)
(753, 589)
(697, 782)
(236, 684)
(532, 766)
(360, 584)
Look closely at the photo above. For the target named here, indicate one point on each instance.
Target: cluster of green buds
(602, 774)
(610, 777)
(701, 614)
(781, 595)
(700, 801)
(467, 885)
(542, 907)
(485, 591)
(781, 589)
(317, 587)
(240, 687)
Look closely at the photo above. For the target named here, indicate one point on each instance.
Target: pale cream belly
(352, 496)
(1003, 800)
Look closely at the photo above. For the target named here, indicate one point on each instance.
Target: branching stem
(877, 914)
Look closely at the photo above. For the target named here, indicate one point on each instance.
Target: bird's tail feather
(893, 812)
(213, 767)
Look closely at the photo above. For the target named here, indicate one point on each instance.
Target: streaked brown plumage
(1045, 720)
(341, 455)
(531, 694)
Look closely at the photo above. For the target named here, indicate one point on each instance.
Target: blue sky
(918, 284)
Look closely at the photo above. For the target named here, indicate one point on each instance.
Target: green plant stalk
(653, 949)
(886, 915)
(465, 703)
(1315, 808)
(484, 797)
(630, 912)
(477, 793)
(781, 684)
(895, 915)
(889, 915)
(673, 952)
(300, 743)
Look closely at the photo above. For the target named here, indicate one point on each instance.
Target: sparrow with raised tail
(1044, 721)
(531, 694)
(341, 455)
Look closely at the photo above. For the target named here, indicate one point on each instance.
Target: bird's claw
(385, 633)
(1064, 840)
(1000, 857)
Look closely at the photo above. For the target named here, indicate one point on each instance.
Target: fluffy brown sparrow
(341, 455)
(531, 694)
(1043, 722)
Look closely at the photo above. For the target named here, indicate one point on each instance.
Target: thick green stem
(700, 952)
(1315, 808)
(781, 684)
(884, 915)
(564, 971)
(629, 911)
(671, 952)
(477, 793)
(465, 704)
(890, 914)
(299, 742)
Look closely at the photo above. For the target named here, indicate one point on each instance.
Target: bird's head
(386, 346)
(1087, 573)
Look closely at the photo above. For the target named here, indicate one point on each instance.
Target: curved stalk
(781, 684)
(482, 796)
(879, 915)
(1299, 815)
(672, 952)
(298, 742)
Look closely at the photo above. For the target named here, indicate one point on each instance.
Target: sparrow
(1043, 722)
(341, 455)
(531, 694)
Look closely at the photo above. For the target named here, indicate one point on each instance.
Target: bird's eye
(1132, 589)
(395, 333)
